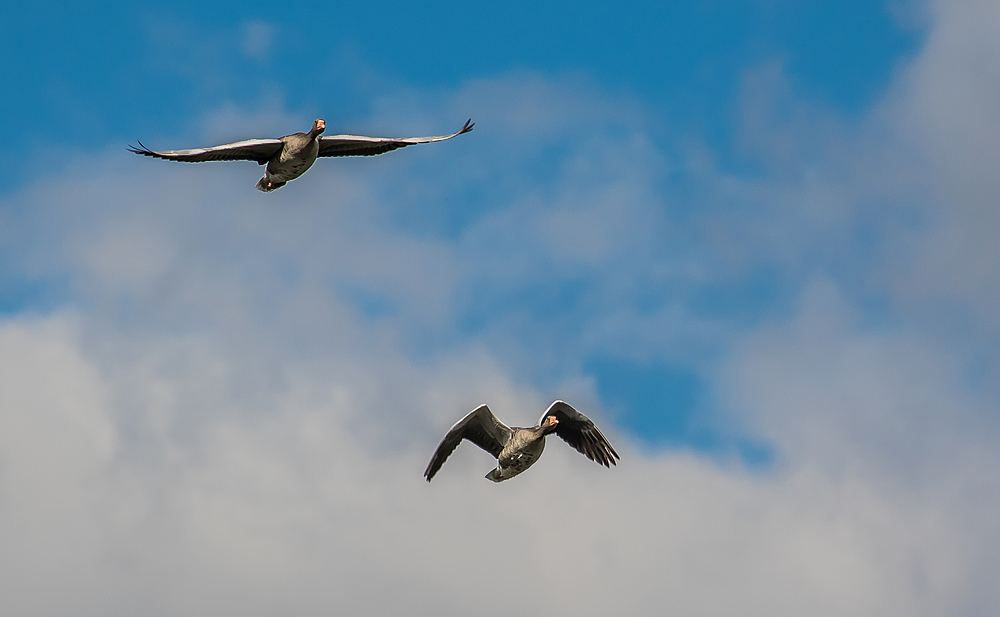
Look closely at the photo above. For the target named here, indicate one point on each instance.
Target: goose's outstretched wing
(580, 432)
(359, 145)
(259, 150)
(480, 427)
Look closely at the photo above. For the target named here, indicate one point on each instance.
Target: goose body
(298, 152)
(516, 449)
(290, 156)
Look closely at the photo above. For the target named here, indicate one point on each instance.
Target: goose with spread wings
(290, 156)
(515, 448)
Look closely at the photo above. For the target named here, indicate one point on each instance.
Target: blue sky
(755, 241)
(96, 81)
(97, 74)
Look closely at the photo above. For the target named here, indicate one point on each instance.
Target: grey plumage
(290, 156)
(517, 449)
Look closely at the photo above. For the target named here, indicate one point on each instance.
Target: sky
(754, 241)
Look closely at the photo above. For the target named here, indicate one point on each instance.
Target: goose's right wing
(258, 150)
(480, 427)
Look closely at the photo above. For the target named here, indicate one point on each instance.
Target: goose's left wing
(580, 432)
(359, 145)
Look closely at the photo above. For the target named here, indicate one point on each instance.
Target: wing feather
(480, 427)
(581, 433)
(258, 150)
(359, 145)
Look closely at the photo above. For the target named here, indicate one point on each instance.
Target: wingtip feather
(142, 149)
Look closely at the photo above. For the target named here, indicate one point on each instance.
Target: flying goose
(515, 448)
(290, 156)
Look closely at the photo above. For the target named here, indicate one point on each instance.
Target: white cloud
(285, 508)
(946, 105)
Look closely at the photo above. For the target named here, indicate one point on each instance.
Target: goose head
(550, 423)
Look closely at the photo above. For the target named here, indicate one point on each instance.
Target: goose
(515, 448)
(290, 156)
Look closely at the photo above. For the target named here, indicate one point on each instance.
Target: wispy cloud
(258, 36)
